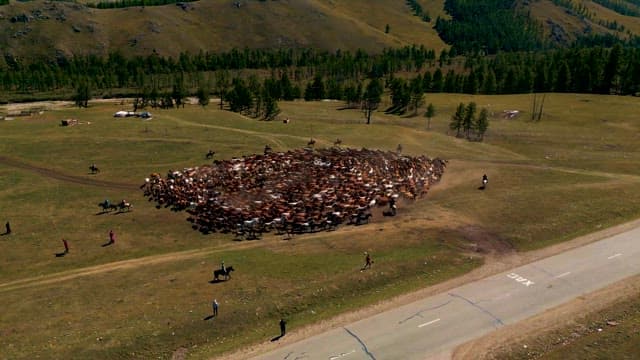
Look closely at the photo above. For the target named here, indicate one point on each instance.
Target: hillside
(214, 25)
(44, 28)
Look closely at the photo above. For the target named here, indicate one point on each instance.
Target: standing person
(367, 261)
(8, 227)
(215, 307)
(112, 237)
(283, 327)
(485, 180)
(66, 246)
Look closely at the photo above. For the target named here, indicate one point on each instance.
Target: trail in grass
(49, 173)
(270, 137)
(156, 259)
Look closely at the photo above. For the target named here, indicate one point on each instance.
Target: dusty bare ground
(495, 262)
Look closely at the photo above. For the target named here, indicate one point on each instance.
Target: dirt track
(65, 177)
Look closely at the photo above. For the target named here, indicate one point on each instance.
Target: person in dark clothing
(485, 180)
(8, 227)
(367, 261)
(66, 246)
(215, 307)
(283, 327)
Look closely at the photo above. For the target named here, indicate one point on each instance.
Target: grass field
(574, 172)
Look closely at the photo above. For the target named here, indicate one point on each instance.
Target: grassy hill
(42, 28)
(71, 28)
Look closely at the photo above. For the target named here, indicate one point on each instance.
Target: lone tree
(431, 112)
(371, 98)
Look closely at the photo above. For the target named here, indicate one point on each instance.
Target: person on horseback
(222, 268)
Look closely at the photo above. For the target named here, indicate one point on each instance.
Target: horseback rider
(224, 270)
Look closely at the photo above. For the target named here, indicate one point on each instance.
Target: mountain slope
(211, 25)
(45, 28)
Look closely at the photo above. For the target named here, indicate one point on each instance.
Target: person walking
(283, 327)
(485, 180)
(66, 246)
(367, 261)
(8, 227)
(215, 307)
(112, 237)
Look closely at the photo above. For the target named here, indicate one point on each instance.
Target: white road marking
(428, 323)
(341, 355)
(520, 279)
(563, 275)
(614, 256)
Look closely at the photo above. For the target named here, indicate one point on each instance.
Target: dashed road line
(341, 355)
(429, 323)
(563, 274)
(614, 256)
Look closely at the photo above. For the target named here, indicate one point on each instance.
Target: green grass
(574, 172)
(216, 26)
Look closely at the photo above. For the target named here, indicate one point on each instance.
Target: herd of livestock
(296, 191)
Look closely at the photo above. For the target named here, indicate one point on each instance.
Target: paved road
(439, 323)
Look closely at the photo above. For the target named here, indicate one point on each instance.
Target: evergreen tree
(417, 94)
(371, 98)
(83, 94)
(490, 84)
(203, 94)
(482, 123)
(437, 84)
(400, 96)
(457, 119)
(426, 81)
(179, 93)
(223, 82)
(286, 86)
(271, 109)
(563, 80)
(611, 70)
(239, 98)
(468, 121)
(353, 95)
(429, 114)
